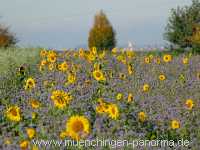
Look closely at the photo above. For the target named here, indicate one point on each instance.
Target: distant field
(88, 95)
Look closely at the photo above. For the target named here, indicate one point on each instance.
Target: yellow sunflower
(33, 115)
(43, 53)
(122, 76)
(142, 116)
(81, 53)
(34, 103)
(98, 75)
(60, 98)
(119, 96)
(13, 113)
(146, 87)
(71, 78)
(102, 55)
(51, 66)
(157, 60)
(185, 60)
(189, 104)
(30, 83)
(51, 57)
(162, 77)
(175, 124)
(130, 97)
(130, 54)
(31, 132)
(113, 111)
(147, 60)
(24, 144)
(63, 66)
(43, 62)
(78, 127)
(167, 58)
(130, 69)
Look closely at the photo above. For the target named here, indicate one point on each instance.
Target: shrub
(7, 39)
(102, 35)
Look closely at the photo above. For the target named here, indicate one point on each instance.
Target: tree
(102, 35)
(6, 37)
(195, 38)
(181, 24)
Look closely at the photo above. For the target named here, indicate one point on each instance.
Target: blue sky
(66, 23)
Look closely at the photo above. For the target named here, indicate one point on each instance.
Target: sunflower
(61, 98)
(51, 66)
(94, 50)
(13, 113)
(33, 115)
(78, 127)
(189, 104)
(185, 60)
(98, 75)
(113, 111)
(142, 116)
(122, 76)
(43, 53)
(162, 77)
(91, 57)
(102, 55)
(130, 97)
(157, 60)
(43, 62)
(24, 144)
(71, 78)
(51, 57)
(119, 96)
(167, 58)
(31, 132)
(81, 53)
(147, 60)
(130, 54)
(34, 103)
(146, 87)
(63, 66)
(102, 107)
(130, 69)
(175, 124)
(30, 83)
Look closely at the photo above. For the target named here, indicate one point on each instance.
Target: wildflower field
(85, 94)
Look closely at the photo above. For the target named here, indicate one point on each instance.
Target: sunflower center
(78, 126)
(13, 112)
(98, 74)
(113, 110)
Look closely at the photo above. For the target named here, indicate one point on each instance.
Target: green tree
(181, 23)
(102, 34)
(6, 37)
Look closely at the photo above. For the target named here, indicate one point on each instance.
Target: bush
(102, 35)
(181, 23)
(7, 39)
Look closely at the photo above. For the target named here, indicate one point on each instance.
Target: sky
(66, 23)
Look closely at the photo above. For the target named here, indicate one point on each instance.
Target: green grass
(14, 57)
(10, 60)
